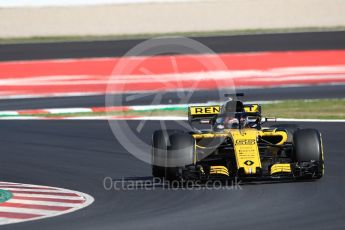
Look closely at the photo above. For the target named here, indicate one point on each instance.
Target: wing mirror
(205, 122)
(269, 119)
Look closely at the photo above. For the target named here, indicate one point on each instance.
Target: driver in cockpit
(231, 121)
(232, 116)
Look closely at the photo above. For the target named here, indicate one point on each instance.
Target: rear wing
(209, 112)
(198, 113)
(252, 109)
(253, 112)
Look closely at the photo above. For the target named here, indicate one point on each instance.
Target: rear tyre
(160, 141)
(180, 154)
(307, 145)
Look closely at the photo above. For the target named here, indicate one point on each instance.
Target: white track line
(310, 120)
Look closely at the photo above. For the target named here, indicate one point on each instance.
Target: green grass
(317, 109)
(146, 36)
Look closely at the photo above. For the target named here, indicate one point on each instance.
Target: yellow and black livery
(243, 149)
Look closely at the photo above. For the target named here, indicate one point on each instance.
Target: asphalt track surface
(221, 44)
(80, 154)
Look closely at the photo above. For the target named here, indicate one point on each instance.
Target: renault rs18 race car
(236, 145)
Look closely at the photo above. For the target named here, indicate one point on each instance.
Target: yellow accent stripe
(281, 168)
(322, 156)
(219, 170)
(209, 135)
(275, 133)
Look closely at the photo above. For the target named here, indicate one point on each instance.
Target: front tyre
(308, 148)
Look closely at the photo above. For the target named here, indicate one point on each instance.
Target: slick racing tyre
(180, 154)
(160, 142)
(307, 145)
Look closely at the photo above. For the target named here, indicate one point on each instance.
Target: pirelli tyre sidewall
(180, 152)
(160, 141)
(307, 147)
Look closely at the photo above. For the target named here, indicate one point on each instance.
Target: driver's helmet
(235, 121)
(243, 120)
(232, 121)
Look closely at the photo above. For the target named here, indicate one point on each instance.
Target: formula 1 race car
(236, 145)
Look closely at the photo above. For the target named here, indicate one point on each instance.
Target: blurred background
(271, 49)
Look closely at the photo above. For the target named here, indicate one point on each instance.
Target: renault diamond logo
(248, 162)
